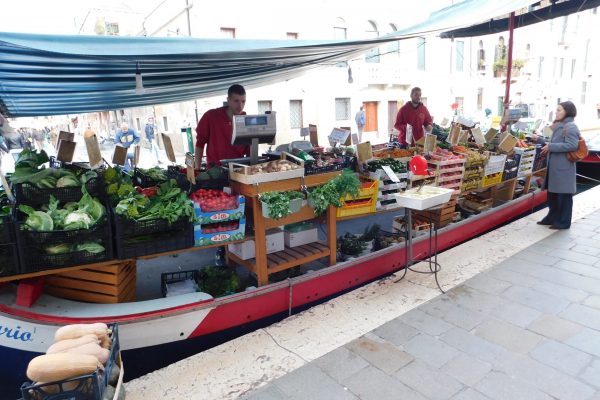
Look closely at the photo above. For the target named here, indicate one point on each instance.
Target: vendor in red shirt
(215, 129)
(415, 114)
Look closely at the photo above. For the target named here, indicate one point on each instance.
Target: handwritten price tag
(189, 163)
(391, 174)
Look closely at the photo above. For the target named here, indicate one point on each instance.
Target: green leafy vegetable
(68, 181)
(37, 220)
(58, 248)
(278, 203)
(90, 247)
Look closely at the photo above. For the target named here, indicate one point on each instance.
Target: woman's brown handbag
(581, 152)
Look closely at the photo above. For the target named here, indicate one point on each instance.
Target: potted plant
(276, 205)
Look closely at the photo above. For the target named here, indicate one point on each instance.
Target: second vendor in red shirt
(215, 129)
(415, 114)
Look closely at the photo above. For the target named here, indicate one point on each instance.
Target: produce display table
(265, 264)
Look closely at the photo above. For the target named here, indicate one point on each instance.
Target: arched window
(372, 31)
(340, 31)
(481, 57)
(500, 53)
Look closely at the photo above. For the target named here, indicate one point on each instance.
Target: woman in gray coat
(560, 176)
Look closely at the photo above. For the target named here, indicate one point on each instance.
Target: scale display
(248, 127)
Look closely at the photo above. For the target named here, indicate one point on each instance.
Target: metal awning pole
(511, 28)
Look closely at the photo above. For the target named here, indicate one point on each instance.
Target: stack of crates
(494, 170)
(441, 215)
(449, 173)
(527, 159)
(387, 188)
(220, 226)
(473, 174)
(365, 202)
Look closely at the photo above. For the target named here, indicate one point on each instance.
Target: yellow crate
(490, 180)
(369, 188)
(357, 206)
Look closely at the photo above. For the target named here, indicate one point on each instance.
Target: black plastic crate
(144, 245)
(125, 227)
(173, 277)
(33, 257)
(26, 193)
(7, 230)
(76, 166)
(185, 185)
(511, 167)
(143, 180)
(9, 259)
(84, 387)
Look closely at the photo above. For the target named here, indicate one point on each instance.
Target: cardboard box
(247, 249)
(305, 236)
(205, 239)
(209, 217)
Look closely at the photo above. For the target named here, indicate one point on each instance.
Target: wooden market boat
(158, 332)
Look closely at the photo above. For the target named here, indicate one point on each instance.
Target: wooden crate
(104, 284)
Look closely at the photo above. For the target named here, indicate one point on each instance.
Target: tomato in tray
(214, 200)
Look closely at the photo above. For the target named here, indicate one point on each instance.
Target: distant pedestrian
(561, 173)
(151, 129)
(360, 122)
(128, 138)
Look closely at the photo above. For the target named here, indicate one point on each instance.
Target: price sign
(93, 149)
(430, 143)
(304, 132)
(490, 134)
(168, 147)
(409, 134)
(391, 174)
(478, 136)
(314, 137)
(65, 150)
(338, 135)
(119, 156)
(364, 151)
(190, 163)
(463, 137)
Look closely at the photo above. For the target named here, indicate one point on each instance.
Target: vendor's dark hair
(415, 89)
(570, 109)
(236, 89)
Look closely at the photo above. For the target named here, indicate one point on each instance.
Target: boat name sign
(15, 334)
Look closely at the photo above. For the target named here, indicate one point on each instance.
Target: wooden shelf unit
(265, 264)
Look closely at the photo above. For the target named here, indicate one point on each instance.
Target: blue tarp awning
(57, 74)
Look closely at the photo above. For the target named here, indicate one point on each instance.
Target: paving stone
(430, 350)
(268, 392)
(574, 256)
(472, 345)
(341, 363)
(579, 268)
(587, 340)
(564, 292)
(558, 241)
(537, 258)
(488, 284)
(425, 322)
(453, 313)
(592, 301)
(309, 382)
(508, 336)
(543, 377)
(500, 386)
(516, 277)
(469, 394)
(583, 315)
(396, 332)
(591, 374)
(555, 327)
(590, 251)
(534, 299)
(466, 369)
(516, 314)
(587, 241)
(384, 356)
(540, 248)
(372, 384)
(566, 278)
(475, 299)
(432, 383)
(560, 356)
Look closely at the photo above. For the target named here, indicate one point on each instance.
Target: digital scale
(252, 130)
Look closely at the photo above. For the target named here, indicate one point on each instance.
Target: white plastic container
(429, 196)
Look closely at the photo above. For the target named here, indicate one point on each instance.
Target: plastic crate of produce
(26, 193)
(310, 168)
(83, 387)
(7, 230)
(173, 172)
(495, 164)
(9, 259)
(144, 245)
(168, 278)
(33, 256)
(489, 180)
(368, 188)
(125, 227)
(357, 207)
(140, 178)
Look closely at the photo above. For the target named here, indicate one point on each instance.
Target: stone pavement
(526, 328)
